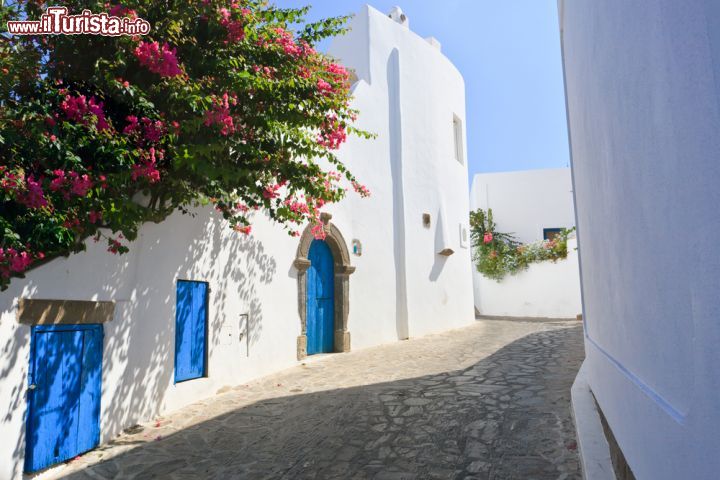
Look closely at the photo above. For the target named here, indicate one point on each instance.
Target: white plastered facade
(409, 94)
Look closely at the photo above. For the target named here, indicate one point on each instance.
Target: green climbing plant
(498, 254)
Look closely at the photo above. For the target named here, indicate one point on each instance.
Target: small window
(551, 233)
(458, 139)
(191, 313)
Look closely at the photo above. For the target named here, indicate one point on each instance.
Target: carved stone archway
(343, 270)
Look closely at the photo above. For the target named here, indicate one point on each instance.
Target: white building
(245, 306)
(643, 94)
(532, 205)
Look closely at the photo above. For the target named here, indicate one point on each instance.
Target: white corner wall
(546, 289)
(643, 95)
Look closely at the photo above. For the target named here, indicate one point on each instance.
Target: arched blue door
(320, 299)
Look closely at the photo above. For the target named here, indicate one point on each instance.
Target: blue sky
(509, 54)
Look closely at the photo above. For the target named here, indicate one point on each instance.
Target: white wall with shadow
(252, 324)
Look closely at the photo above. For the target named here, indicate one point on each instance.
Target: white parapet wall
(546, 289)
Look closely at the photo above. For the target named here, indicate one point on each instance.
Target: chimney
(397, 14)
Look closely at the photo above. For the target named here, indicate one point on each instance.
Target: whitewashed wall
(643, 95)
(546, 289)
(407, 93)
(524, 203)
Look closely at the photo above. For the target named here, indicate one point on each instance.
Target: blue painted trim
(320, 300)
(66, 328)
(204, 373)
(29, 431)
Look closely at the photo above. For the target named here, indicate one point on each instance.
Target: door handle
(32, 387)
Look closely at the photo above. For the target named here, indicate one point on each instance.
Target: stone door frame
(343, 270)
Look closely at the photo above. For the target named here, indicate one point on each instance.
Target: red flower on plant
(318, 231)
(80, 109)
(161, 60)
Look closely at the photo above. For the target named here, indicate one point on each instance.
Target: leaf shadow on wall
(138, 353)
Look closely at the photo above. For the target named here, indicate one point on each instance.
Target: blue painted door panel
(64, 408)
(190, 330)
(320, 299)
(91, 381)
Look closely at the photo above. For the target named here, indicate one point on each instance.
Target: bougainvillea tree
(223, 102)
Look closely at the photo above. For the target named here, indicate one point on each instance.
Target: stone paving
(490, 401)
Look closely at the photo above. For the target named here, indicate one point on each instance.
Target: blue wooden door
(320, 299)
(190, 330)
(64, 395)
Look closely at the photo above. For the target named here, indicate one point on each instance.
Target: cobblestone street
(490, 401)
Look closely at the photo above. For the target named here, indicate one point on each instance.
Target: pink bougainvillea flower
(487, 238)
(271, 191)
(246, 229)
(361, 189)
(95, 216)
(220, 115)
(297, 207)
(79, 184)
(59, 181)
(13, 261)
(332, 135)
(33, 196)
(145, 130)
(132, 125)
(81, 110)
(286, 41)
(147, 168)
(161, 60)
(122, 11)
(114, 245)
(153, 130)
(235, 28)
(318, 231)
(337, 70)
(324, 87)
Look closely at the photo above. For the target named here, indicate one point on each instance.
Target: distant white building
(643, 95)
(533, 205)
(195, 307)
(530, 204)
